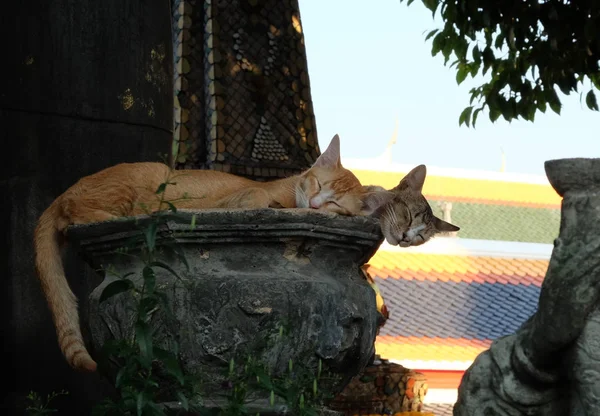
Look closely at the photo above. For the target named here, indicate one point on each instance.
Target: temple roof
(470, 189)
(488, 205)
(503, 222)
(449, 298)
(423, 267)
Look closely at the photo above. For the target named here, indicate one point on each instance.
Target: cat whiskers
(392, 215)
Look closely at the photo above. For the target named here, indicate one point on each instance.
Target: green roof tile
(503, 223)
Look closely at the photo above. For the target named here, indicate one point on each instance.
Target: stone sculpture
(551, 365)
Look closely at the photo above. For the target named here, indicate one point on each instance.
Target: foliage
(144, 368)
(298, 388)
(37, 406)
(529, 47)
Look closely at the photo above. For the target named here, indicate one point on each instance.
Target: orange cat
(407, 220)
(130, 189)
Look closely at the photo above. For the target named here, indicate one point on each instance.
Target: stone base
(262, 407)
(382, 388)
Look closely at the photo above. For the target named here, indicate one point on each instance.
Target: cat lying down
(407, 219)
(131, 189)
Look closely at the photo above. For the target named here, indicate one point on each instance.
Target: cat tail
(48, 240)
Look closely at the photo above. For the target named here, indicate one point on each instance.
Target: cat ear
(374, 198)
(443, 226)
(414, 179)
(330, 158)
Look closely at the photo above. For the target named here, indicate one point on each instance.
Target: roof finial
(387, 153)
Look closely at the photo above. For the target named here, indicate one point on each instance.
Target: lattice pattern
(259, 116)
(189, 113)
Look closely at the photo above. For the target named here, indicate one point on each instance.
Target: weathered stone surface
(551, 365)
(249, 272)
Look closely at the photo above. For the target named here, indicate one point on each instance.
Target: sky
(369, 65)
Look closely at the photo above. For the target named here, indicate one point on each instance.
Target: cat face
(328, 186)
(407, 220)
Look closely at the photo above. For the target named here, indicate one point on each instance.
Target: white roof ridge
(467, 247)
(379, 164)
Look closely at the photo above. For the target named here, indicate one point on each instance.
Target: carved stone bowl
(250, 273)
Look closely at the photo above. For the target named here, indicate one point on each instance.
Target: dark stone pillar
(86, 84)
(243, 102)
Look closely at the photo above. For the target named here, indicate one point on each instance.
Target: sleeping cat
(407, 220)
(131, 188)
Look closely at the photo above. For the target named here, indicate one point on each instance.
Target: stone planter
(249, 272)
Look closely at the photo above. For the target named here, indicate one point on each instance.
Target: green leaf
(461, 74)
(430, 34)
(507, 110)
(171, 363)
(150, 235)
(161, 188)
(431, 5)
(552, 99)
(476, 54)
(152, 409)
(149, 279)
(590, 100)
(595, 78)
(448, 48)
(564, 86)
(121, 375)
(494, 114)
(184, 401)
(165, 267)
(141, 402)
(499, 40)
(116, 287)
(475, 114)
(143, 336)
(541, 105)
(147, 305)
(172, 207)
(438, 43)
(465, 116)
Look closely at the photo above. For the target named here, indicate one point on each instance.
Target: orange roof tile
(429, 349)
(433, 267)
(476, 190)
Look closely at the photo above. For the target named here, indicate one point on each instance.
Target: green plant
(145, 368)
(37, 406)
(529, 47)
(298, 388)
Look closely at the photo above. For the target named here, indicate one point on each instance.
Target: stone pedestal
(249, 273)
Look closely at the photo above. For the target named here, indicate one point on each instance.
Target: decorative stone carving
(250, 270)
(551, 365)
